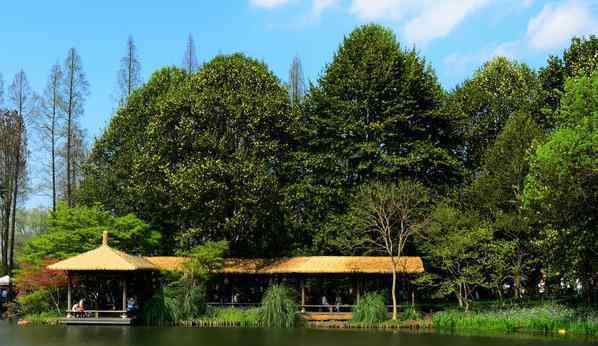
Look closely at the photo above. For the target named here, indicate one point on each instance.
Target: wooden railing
(96, 313)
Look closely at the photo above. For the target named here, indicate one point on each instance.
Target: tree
(129, 75)
(190, 63)
(389, 216)
(296, 82)
(76, 90)
(1, 90)
(52, 114)
(497, 90)
(374, 115)
(458, 245)
(13, 150)
(560, 188)
(23, 100)
(200, 155)
(35, 277)
(72, 231)
(497, 193)
(580, 58)
(203, 261)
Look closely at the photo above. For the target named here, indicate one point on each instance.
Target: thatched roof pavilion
(104, 262)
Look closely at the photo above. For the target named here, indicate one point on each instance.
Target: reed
(551, 318)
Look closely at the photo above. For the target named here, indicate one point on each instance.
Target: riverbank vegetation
(492, 183)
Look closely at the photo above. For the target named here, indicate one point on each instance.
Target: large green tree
(495, 92)
(561, 188)
(580, 58)
(201, 154)
(374, 115)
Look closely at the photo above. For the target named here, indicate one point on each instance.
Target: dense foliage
(507, 160)
(72, 231)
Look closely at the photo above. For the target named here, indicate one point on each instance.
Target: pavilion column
(357, 291)
(302, 295)
(68, 296)
(124, 284)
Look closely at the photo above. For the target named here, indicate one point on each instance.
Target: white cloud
(318, 6)
(439, 19)
(268, 3)
(421, 20)
(557, 23)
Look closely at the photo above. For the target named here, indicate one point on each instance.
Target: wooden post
(68, 296)
(358, 291)
(302, 295)
(124, 283)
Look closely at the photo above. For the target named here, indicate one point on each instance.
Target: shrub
(278, 307)
(370, 309)
(160, 310)
(35, 302)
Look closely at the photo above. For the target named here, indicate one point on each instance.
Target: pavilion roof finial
(105, 238)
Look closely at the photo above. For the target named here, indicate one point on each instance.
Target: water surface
(12, 335)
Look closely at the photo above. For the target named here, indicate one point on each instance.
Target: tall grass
(160, 310)
(370, 309)
(244, 317)
(278, 307)
(547, 319)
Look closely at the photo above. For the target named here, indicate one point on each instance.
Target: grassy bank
(548, 319)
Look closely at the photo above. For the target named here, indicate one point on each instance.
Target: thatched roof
(106, 258)
(305, 265)
(103, 258)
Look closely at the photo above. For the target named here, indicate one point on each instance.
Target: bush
(36, 302)
(370, 309)
(278, 307)
(160, 310)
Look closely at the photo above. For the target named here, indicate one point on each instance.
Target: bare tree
(51, 115)
(1, 90)
(79, 151)
(190, 63)
(13, 153)
(129, 75)
(296, 82)
(76, 90)
(389, 215)
(23, 100)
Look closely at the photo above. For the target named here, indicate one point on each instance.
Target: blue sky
(456, 36)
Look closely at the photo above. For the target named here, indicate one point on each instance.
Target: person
(325, 302)
(3, 295)
(132, 305)
(75, 309)
(338, 303)
(81, 308)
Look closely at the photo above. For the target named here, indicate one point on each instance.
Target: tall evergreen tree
(190, 63)
(129, 75)
(76, 91)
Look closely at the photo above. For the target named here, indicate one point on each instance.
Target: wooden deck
(326, 316)
(97, 321)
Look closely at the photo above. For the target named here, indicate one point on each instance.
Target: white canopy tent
(5, 280)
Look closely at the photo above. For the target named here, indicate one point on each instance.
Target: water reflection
(11, 335)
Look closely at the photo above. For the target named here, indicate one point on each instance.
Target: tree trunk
(394, 293)
(15, 194)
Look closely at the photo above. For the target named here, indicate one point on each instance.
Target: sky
(455, 36)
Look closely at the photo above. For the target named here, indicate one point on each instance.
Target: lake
(12, 335)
